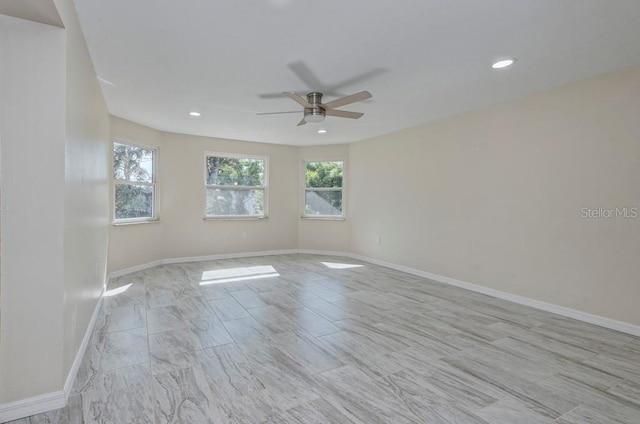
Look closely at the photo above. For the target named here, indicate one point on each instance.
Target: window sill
(234, 218)
(126, 223)
(323, 218)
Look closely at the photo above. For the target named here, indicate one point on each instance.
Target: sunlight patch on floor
(230, 275)
(335, 265)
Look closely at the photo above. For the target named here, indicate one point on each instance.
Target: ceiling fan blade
(276, 113)
(343, 114)
(306, 75)
(303, 122)
(298, 99)
(359, 78)
(363, 95)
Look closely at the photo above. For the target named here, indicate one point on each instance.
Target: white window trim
(303, 179)
(154, 206)
(265, 187)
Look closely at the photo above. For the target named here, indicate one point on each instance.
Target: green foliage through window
(134, 187)
(235, 186)
(323, 188)
(133, 201)
(324, 174)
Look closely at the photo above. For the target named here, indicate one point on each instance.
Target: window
(323, 189)
(134, 183)
(235, 186)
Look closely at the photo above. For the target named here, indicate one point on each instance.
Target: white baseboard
(186, 259)
(324, 253)
(522, 300)
(612, 324)
(31, 406)
(71, 376)
(133, 269)
(54, 400)
(228, 256)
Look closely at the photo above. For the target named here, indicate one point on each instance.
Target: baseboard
(71, 376)
(522, 300)
(133, 269)
(324, 253)
(228, 256)
(601, 321)
(31, 406)
(186, 259)
(54, 400)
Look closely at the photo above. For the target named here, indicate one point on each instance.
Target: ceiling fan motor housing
(315, 113)
(315, 98)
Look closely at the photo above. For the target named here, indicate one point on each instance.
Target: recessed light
(322, 131)
(196, 114)
(503, 63)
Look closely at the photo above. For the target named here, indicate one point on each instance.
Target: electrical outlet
(243, 235)
(378, 240)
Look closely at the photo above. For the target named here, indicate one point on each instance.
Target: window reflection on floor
(230, 275)
(117, 290)
(335, 265)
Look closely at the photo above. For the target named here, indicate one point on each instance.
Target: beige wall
(492, 197)
(318, 234)
(185, 231)
(131, 245)
(182, 231)
(495, 196)
(32, 91)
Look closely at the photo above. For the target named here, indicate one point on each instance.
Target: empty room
(350, 212)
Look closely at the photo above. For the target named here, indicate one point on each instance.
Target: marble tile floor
(316, 339)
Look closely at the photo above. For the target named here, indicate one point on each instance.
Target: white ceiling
(421, 59)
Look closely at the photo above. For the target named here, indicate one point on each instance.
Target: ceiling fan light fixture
(504, 63)
(314, 118)
(314, 114)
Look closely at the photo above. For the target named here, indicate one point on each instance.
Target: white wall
(55, 146)
(42, 11)
(32, 89)
(495, 196)
(86, 207)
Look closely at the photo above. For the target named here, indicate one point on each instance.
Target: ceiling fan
(316, 111)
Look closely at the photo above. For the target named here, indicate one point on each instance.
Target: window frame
(154, 184)
(264, 187)
(303, 203)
